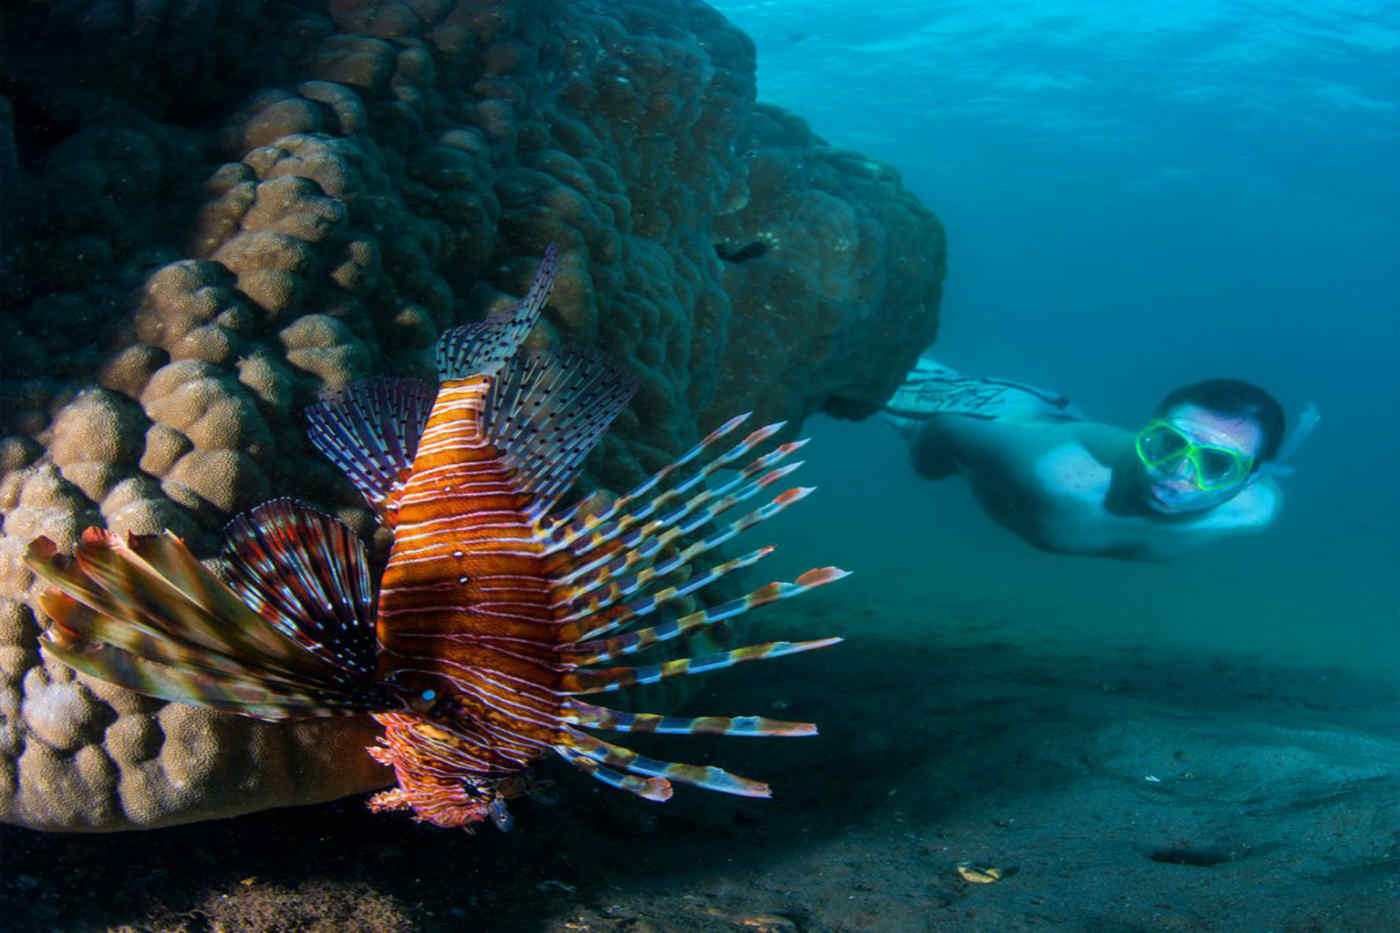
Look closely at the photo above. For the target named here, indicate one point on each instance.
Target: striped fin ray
(600, 532)
(546, 412)
(86, 616)
(481, 349)
(657, 530)
(78, 625)
(613, 678)
(600, 717)
(248, 695)
(598, 755)
(150, 591)
(569, 527)
(595, 651)
(628, 532)
(370, 431)
(618, 758)
(146, 615)
(588, 624)
(643, 556)
(657, 789)
(307, 574)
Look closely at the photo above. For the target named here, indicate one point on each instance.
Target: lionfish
(499, 607)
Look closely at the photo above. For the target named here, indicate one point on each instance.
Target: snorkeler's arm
(1012, 448)
(1036, 470)
(959, 443)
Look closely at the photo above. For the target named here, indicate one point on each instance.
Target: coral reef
(849, 280)
(293, 194)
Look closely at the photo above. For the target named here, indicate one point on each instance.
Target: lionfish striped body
(498, 608)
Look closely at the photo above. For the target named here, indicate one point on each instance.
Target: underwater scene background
(1134, 198)
(1137, 199)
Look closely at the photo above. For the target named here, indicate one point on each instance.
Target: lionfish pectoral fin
(307, 575)
(370, 430)
(650, 788)
(149, 596)
(626, 550)
(594, 651)
(621, 759)
(587, 681)
(600, 717)
(248, 695)
(145, 614)
(481, 349)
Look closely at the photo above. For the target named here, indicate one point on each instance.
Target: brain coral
(233, 205)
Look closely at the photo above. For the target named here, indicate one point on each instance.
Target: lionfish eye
(421, 703)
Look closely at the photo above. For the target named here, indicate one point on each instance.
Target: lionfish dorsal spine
(481, 349)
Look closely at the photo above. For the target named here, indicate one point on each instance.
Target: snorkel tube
(1308, 420)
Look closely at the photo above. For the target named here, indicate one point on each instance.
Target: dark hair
(1235, 398)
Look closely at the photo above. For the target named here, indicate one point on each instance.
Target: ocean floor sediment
(1121, 792)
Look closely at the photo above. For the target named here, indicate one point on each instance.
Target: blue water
(1136, 197)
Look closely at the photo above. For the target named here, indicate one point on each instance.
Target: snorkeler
(1201, 468)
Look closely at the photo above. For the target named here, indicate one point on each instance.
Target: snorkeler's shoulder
(1085, 451)
(1106, 443)
(1030, 439)
(1254, 508)
(1071, 472)
(1263, 498)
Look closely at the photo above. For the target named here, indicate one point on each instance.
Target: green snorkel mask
(1162, 446)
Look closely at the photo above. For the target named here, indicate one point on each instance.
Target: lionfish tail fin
(482, 349)
(146, 615)
(370, 431)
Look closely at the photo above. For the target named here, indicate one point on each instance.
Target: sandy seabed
(1124, 790)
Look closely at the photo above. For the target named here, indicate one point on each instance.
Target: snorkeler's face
(1193, 458)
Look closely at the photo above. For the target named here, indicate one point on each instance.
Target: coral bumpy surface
(216, 211)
